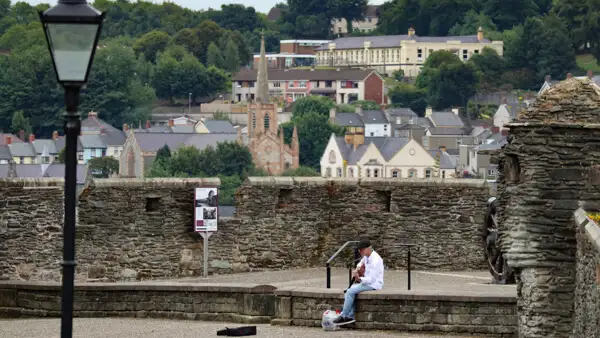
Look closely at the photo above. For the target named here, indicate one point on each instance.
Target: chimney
(31, 138)
(590, 74)
(332, 113)
(480, 34)
(22, 135)
(359, 110)
(171, 122)
(92, 114)
(55, 135)
(148, 126)
(428, 111)
(411, 31)
(125, 127)
(569, 75)
(548, 78)
(7, 140)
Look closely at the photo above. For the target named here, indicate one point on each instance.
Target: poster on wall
(206, 209)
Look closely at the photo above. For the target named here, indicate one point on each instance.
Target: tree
(443, 14)
(397, 16)
(302, 171)
(314, 132)
(103, 167)
(471, 22)
(366, 105)
(61, 155)
(409, 96)
(151, 43)
(20, 122)
(581, 19)
(214, 56)
(508, 13)
(231, 61)
(347, 9)
(317, 104)
(447, 80)
(540, 46)
(163, 154)
(398, 75)
(491, 67)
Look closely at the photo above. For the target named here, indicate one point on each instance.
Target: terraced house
(389, 53)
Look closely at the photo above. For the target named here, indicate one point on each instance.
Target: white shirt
(373, 271)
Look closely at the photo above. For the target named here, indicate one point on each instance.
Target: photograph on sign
(206, 206)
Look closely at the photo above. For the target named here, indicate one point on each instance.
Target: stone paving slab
(147, 328)
(468, 281)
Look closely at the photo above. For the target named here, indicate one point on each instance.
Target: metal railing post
(328, 276)
(408, 267)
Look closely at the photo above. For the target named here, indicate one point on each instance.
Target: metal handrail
(328, 263)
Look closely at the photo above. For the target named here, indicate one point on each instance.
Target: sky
(260, 5)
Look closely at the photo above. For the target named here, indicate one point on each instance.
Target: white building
(374, 123)
(354, 155)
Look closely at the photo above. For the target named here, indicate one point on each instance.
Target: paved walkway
(148, 328)
(455, 282)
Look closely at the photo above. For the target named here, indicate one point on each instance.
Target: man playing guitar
(368, 275)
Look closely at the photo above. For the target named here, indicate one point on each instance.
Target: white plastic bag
(327, 320)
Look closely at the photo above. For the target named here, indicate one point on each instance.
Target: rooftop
(387, 146)
(389, 41)
(306, 74)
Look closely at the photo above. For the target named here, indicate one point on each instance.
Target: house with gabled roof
(373, 123)
(356, 156)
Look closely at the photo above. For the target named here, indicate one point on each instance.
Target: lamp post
(72, 30)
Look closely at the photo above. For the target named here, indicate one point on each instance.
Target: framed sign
(206, 205)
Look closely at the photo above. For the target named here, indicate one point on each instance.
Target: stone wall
(549, 169)
(587, 293)
(131, 229)
(380, 310)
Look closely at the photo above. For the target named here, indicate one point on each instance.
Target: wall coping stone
(141, 286)
(32, 182)
(162, 182)
(422, 295)
(536, 124)
(365, 182)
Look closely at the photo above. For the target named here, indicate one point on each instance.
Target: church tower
(266, 145)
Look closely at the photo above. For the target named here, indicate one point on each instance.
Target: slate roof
(401, 112)
(153, 142)
(113, 137)
(219, 127)
(387, 146)
(5, 153)
(353, 74)
(40, 144)
(374, 117)
(202, 141)
(61, 143)
(446, 119)
(22, 150)
(447, 161)
(92, 141)
(14, 139)
(348, 120)
(389, 41)
(55, 170)
(450, 131)
(4, 170)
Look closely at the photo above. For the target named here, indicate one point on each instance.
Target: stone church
(266, 145)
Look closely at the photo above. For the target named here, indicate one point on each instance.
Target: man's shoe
(343, 320)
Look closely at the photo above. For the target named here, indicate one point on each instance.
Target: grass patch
(390, 82)
(588, 62)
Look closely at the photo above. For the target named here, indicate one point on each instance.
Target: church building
(266, 145)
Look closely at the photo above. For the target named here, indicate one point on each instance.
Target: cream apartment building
(339, 26)
(408, 52)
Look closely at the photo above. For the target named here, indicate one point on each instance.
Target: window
(375, 172)
(277, 84)
(21, 159)
(425, 142)
(339, 172)
(412, 173)
(385, 127)
(328, 172)
(328, 84)
(251, 84)
(368, 172)
(80, 157)
(253, 120)
(476, 51)
(291, 84)
(302, 84)
(491, 172)
(419, 54)
(395, 173)
(369, 19)
(267, 121)
(288, 165)
(153, 204)
(372, 134)
(350, 172)
(443, 173)
(339, 29)
(45, 159)
(465, 54)
(427, 173)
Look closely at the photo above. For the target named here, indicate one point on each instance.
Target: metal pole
(206, 235)
(328, 276)
(408, 268)
(72, 128)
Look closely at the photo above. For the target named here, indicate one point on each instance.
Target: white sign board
(206, 205)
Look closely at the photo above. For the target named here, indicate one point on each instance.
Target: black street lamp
(72, 29)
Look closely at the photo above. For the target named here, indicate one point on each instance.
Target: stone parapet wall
(380, 310)
(139, 229)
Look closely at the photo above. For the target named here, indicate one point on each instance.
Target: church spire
(262, 81)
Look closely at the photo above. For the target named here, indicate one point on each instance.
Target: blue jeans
(348, 310)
